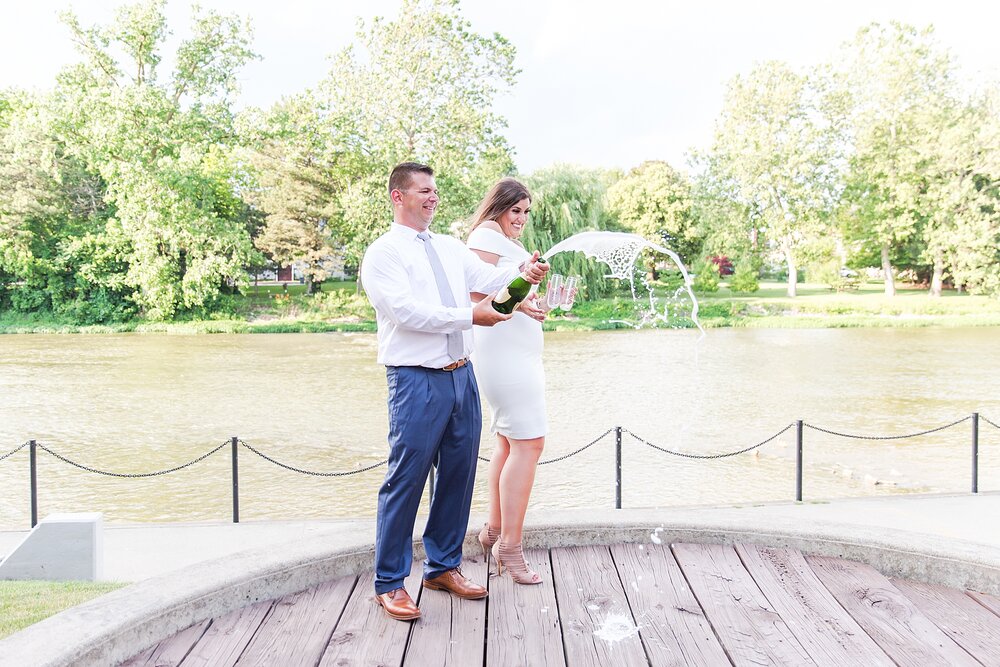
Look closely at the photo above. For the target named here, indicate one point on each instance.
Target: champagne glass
(570, 286)
(554, 291)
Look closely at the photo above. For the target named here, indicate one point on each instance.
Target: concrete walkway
(137, 552)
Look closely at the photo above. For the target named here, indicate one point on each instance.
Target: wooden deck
(627, 604)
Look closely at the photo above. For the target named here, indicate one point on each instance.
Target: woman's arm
(489, 258)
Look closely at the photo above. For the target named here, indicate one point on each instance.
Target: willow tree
(420, 87)
(772, 155)
(567, 200)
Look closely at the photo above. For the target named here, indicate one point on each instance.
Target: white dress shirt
(399, 281)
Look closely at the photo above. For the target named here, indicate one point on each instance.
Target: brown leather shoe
(455, 583)
(398, 605)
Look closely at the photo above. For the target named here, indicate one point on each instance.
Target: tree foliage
(418, 88)
(129, 190)
(893, 79)
(655, 201)
(772, 155)
(568, 200)
(139, 178)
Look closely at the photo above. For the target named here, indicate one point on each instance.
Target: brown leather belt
(456, 365)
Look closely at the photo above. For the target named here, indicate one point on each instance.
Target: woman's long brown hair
(500, 199)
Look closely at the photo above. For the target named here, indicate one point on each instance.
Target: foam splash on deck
(616, 627)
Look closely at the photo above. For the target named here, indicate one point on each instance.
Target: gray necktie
(456, 346)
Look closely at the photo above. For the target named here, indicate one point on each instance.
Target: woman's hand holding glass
(533, 307)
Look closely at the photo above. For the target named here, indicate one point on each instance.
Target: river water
(142, 403)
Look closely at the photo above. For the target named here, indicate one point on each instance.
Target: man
(419, 284)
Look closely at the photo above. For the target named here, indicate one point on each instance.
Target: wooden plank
(749, 628)
(227, 636)
(989, 601)
(298, 629)
(828, 633)
(888, 616)
(598, 626)
(671, 623)
(523, 626)
(365, 635)
(972, 626)
(172, 650)
(450, 630)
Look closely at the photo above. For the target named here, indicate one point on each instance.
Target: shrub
(744, 279)
(723, 263)
(344, 304)
(706, 277)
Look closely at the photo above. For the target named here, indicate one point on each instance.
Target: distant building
(293, 273)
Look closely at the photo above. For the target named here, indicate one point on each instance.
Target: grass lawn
(25, 602)
(817, 305)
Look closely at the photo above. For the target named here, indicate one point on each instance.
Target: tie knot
(424, 236)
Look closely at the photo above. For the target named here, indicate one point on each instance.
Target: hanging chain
(566, 456)
(14, 451)
(575, 452)
(310, 472)
(132, 474)
(482, 458)
(708, 456)
(887, 437)
(982, 418)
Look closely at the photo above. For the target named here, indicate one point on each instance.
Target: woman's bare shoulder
(491, 224)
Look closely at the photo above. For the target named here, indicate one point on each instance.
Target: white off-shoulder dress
(508, 356)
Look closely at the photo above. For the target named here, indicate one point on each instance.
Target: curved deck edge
(118, 625)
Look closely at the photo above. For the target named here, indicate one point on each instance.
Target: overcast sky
(604, 83)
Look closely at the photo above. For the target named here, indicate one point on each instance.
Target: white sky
(604, 83)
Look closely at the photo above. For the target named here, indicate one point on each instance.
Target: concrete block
(62, 547)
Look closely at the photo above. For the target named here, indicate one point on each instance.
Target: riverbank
(339, 308)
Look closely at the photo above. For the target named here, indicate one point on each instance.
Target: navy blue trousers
(434, 416)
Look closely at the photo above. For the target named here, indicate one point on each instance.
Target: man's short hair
(402, 174)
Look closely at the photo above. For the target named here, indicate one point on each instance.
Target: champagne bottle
(508, 299)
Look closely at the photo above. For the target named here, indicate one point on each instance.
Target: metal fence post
(975, 452)
(236, 479)
(33, 469)
(618, 467)
(798, 460)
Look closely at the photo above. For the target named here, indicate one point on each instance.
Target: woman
(508, 363)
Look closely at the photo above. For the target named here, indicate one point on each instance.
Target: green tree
(295, 185)
(891, 77)
(160, 145)
(418, 88)
(961, 194)
(654, 200)
(772, 155)
(50, 205)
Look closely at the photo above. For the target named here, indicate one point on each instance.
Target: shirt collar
(408, 232)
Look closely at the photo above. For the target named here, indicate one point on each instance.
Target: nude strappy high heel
(487, 538)
(512, 557)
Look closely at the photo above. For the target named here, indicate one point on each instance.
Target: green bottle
(513, 294)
